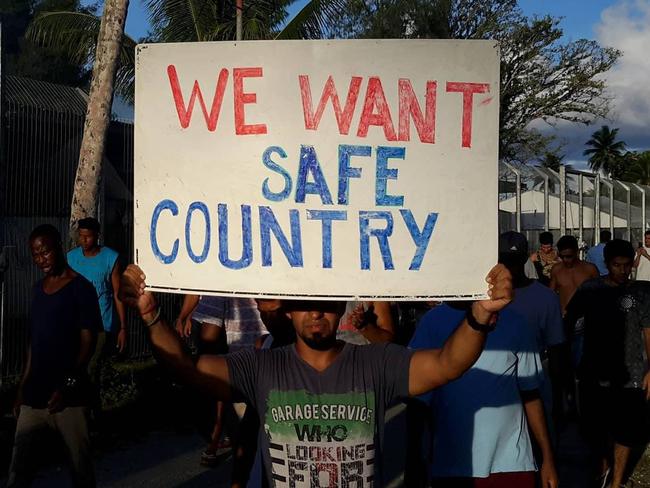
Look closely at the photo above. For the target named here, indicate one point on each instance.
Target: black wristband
(476, 325)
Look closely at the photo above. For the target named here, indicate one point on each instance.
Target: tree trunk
(100, 100)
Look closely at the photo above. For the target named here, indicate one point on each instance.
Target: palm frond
(75, 35)
(313, 20)
(186, 20)
(72, 33)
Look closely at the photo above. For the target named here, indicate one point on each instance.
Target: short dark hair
(567, 242)
(605, 236)
(647, 233)
(546, 238)
(90, 223)
(618, 248)
(46, 230)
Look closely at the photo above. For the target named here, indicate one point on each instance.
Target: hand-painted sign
(328, 169)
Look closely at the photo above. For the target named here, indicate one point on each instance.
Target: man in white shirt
(642, 259)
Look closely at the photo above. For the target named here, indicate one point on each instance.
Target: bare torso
(566, 280)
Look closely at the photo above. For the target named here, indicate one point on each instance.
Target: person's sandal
(211, 457)
(224, 443)
(603, 480)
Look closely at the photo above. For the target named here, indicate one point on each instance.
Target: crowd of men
(302, 387)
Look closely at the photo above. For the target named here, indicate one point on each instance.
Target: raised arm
(376, 324)
(435, 367)
(209, 374)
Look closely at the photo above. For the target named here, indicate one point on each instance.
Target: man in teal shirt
(99, 265)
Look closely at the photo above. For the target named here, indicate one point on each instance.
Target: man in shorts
(614, 382)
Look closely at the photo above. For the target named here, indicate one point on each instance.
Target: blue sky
(580, 16)
(623, 24)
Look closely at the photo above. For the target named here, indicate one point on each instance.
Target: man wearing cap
(482, 420)
(541, 308)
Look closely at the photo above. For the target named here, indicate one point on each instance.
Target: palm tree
(605, 153)
(82, 35)
(553, 161)
(639, 169)
(185, 21)
(76, 34)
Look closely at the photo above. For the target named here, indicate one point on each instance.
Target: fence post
(628, 208)
(581, 218)
(643, 214)
(596, 208)
(3, 258)
(562, 200)
(517, 194)
(546, 204)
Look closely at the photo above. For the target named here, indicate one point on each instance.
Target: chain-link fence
(42, 126)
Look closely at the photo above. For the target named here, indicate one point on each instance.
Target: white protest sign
(325, 169)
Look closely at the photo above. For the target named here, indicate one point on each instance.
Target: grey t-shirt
(322, 428)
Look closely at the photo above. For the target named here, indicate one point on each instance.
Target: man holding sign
(322, 401)
(361, 170)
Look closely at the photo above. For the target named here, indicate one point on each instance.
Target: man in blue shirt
(99, 265)
(595, 254)
(482, 420)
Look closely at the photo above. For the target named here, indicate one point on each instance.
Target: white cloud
(626, 26)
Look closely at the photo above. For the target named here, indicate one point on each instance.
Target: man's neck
(319, 360)
(611, 282)
(94, 251)
(64, 273)
(520, 281)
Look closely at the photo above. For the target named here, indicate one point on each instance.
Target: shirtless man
(571, 271)
(544, 258)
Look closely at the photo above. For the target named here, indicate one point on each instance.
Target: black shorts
(611, 413)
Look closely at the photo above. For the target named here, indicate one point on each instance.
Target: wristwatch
(476, 325)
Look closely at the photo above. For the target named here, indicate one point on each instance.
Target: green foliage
(183, 21)
(75, 34)
(606, 153)
(542, 76)
(23, 57)
(552, 160)
(117, 388)
(638, 169)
